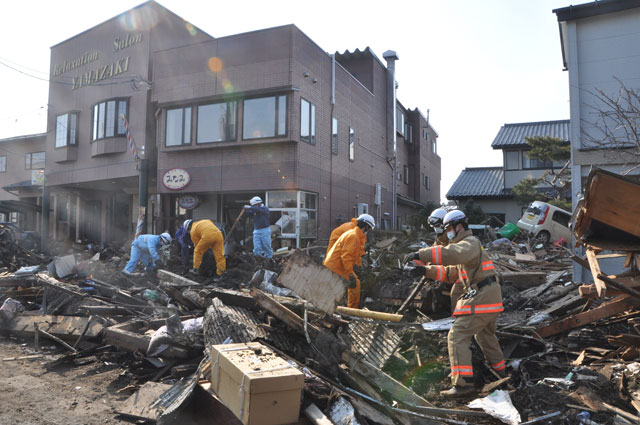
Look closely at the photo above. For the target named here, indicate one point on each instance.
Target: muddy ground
(31, 394)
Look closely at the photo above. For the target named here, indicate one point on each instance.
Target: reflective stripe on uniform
(463, 274)
(488, 265)
(462, 370)
(499, 366)
(436, 254)
(440, 273)
(478, 309)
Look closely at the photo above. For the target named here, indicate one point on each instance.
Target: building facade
(600, 46)
(146, 102)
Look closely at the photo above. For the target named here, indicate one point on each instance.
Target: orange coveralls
(343, 255)
(205, 235)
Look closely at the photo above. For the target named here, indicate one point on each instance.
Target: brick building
(216, 121)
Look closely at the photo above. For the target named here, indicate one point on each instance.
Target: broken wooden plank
(564, 304)
(313, 282)
(615, 306)
(622, 413)
(378, 315)
(493, 385)
(316, 416)
(56, 339)
(124, 336)
(624, 340)
(595, 271)
(166, 277)
(619, 286)
(67, 328)
(283, 313)
(412, 295)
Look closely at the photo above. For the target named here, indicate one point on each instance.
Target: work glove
(417, 272)
(352, 282)
(411, 256)
(246, 207)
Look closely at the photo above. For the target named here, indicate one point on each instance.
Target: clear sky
(474, 64)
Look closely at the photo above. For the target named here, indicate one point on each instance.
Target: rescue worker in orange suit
(345, 256)
(435, 220)
(205, 235)
(338, 231)
(477, 310)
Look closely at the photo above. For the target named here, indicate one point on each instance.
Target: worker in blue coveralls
(145, 249)
(184, 239)
(261, 229)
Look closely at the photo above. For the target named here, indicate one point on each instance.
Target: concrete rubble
(570, 347)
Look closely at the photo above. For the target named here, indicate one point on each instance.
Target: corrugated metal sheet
(478, 182)
(375, 342)
(511, 135)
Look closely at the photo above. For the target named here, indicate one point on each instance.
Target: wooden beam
(615, 306)
(412, 295)
(378, 315)
(584, 263)
(595, 271)
(622, 413)
(169, 278)
(620, 286)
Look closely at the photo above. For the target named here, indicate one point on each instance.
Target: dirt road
(79, 395)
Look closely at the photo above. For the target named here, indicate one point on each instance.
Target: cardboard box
(257, 385)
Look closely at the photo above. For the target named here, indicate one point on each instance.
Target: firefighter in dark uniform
(477, 310)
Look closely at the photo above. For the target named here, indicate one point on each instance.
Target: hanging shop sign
(176, 179)
(188, 202)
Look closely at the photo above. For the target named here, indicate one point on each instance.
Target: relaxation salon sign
(100, 72)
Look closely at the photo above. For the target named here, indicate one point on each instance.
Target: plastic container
(509, 231)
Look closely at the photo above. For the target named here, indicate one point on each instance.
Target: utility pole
(391, 57)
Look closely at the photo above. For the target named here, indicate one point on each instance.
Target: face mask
(451, 235)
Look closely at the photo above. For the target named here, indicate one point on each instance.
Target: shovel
(235, 223)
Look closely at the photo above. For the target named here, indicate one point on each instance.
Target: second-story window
(106, 118)
(427, 183)
(34, 160)
(352, 144)
(264, 117)
(406, 174)
(334, 136)
(434, 146)
(178, 129)
(66, 129)
(3, 164)
(216, 122)
(307, 122)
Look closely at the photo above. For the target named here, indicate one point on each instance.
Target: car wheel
(543, 236)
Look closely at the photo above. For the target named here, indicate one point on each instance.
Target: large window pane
(73, 127)
(259, 118)
(61, 130)
(35, 160)
(3, 164)
(313, 124)
(174, 127)
(95, 122)
(304, 120)
(101, 112)
(216, 123)
(122, 110)
(282, 199)
(186, 139)
(110, 121)
(282, 115)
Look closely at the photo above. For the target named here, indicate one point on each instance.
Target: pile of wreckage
(268, 342)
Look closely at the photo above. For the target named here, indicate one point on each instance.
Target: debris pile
(572, 349)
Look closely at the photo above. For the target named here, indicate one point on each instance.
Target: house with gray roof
(491, 187)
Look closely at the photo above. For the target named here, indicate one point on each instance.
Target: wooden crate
(257, 385)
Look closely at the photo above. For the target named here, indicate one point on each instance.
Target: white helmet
(436, 217)
(367, 219)
(255, 200)
(165, 238)
(453, 218)
(186, 224)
